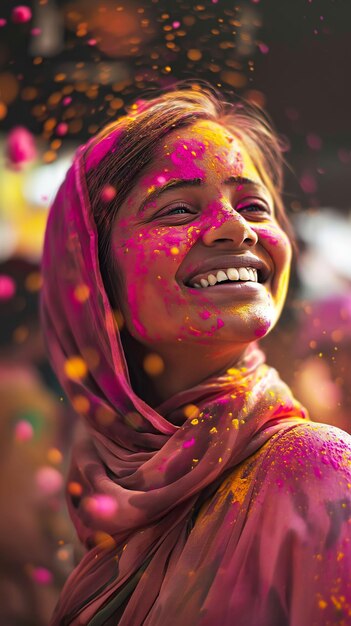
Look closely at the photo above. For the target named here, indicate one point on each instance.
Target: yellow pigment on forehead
(218, 139)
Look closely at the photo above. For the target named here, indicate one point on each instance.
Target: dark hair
(138, 133)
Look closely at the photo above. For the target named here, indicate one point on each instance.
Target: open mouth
(230, 276)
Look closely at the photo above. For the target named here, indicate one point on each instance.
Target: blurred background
(68, 68)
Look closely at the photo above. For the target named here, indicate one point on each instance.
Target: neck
(184, 367)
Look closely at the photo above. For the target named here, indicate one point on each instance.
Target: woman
(201, 490)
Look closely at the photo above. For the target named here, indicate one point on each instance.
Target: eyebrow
(178, 183)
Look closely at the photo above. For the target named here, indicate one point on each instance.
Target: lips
(213, 265)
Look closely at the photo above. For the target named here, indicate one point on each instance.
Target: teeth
(232, 273)
(244, 274)
(251, 274)
(221, 276)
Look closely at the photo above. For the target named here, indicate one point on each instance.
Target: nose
(229, 225)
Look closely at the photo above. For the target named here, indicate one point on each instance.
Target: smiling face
(198, 208)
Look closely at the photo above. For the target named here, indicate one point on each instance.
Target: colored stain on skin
(183, 156)
(268, 236)
(261, 332)
(204, 314)
(159, 243)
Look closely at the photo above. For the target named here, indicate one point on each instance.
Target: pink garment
(270, 545)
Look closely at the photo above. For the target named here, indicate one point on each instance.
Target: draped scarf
(138, 474)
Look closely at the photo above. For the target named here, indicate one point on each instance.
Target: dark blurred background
(66, 69)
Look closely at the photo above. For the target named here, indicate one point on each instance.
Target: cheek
(148, 261)
(278, 245)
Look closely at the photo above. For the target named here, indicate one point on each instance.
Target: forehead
(207, 148)
(204, 150)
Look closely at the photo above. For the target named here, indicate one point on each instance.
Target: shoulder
(311, 455)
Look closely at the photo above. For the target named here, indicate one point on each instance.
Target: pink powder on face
(184, 155)
(260, 332)
(204, 314)
(268, 236)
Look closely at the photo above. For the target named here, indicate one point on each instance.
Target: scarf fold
(138, 475)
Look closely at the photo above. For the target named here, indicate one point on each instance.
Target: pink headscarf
(138, 474)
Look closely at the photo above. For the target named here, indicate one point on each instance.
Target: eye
(254, 207)
(179, 207)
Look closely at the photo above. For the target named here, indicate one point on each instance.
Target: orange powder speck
(3, 110)
(62, 554)
(213, 430)
(194, 422)
(322, 604)
(81, 404)
(54, 456)
(74, 488)
(104, 539)
(337, 335)
(20, 334)
(75, 368)
(119, 319)
(191, 410)
(193, 54)
(153, 364)
(34, 281)
(174, 250)
(235, 423)
(81, 293)
(336, 602)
